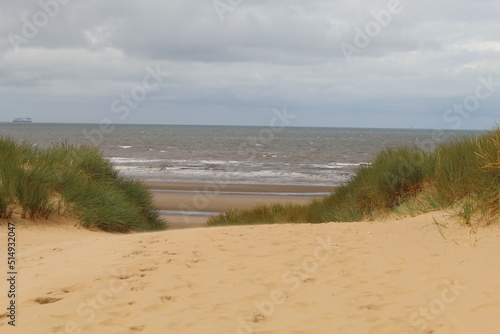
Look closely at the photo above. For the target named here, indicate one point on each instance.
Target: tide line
(241, 192)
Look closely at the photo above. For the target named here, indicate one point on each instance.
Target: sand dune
(372, 277)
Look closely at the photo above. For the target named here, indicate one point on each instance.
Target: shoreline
(189, 204)
(238, 187)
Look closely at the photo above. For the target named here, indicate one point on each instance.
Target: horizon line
(239, 125)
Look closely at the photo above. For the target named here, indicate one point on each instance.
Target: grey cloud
(264, 54)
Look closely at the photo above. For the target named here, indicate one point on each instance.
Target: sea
(233, 154)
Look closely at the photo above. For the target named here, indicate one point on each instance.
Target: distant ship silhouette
(22, 120)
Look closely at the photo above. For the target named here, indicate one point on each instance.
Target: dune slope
(406, 276)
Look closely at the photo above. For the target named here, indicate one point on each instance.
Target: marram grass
(461, 176)
(75, 181)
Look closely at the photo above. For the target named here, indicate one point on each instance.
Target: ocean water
(231, 154)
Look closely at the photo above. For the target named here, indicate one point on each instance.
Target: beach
(186, 205)
(249, 167)
(425, 274)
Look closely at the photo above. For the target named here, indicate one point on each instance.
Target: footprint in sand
(140, 287)
(137, 328)
(258, 317)
(136, 252)
(73, 288)
(197, 260)
(46, 300)
(125, 276)
(150, 268)
(166, 298)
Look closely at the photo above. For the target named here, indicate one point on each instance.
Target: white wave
(217, 162)
(350, 164)
(120, 160)
(262, 176)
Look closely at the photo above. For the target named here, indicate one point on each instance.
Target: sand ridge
(371, 277)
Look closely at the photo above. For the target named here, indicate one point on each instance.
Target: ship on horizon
(22, 120)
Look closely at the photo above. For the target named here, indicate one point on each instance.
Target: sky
(382, 64)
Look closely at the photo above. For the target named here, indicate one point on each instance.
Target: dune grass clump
(77, 181)
(264, 214)
(489, 156)
(394, 176)
(462, 176)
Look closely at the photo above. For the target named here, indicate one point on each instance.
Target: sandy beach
(405, 276)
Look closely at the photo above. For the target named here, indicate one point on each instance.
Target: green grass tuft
(462, 176)
(77, 181)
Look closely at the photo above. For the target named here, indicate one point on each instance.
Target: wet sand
(186, 205)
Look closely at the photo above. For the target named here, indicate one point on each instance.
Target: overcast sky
(389, 64)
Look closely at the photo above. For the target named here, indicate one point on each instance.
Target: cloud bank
(331, 63)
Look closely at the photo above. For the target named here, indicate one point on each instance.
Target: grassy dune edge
(461, 176)
(74, 181)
